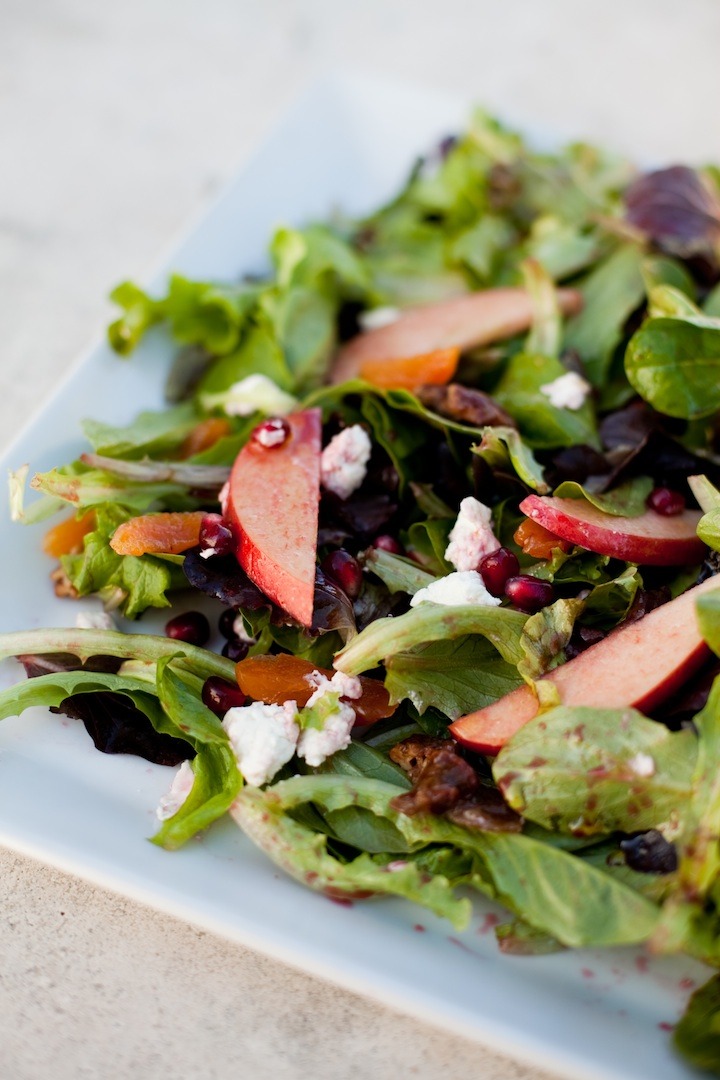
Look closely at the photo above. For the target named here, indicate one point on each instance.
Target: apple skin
(462, 322)
(640, 664)
(272, 505)
(650, 539)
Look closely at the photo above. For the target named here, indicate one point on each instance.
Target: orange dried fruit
(433, 368)
(274, 679)
(204, 435)
(66, 538)
(154, 534)
(537, 541)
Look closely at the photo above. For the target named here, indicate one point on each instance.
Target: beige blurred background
(117, 123)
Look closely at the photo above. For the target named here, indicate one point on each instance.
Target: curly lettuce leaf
(588, 771)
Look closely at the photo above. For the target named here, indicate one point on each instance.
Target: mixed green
(581, 819)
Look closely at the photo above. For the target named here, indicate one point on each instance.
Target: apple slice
(272, 504)
(639, 664)
(463, 322)
(650, 539)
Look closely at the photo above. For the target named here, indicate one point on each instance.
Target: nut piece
(465, 405)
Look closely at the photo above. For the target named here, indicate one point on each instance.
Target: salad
(447, 481)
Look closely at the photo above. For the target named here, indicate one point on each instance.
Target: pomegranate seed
(235, 649)
(226, 623)
(384, 542)
(345, 571)
(216, 535)
(665, 501)
(272, 433)
(219, 695)
(529, 593)
(191, 627)
(496, 568)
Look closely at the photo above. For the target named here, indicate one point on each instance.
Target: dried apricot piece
(66, 538)
(164, 533)
(433, 368)
(204, 435)
(537, 541)
(274, 679)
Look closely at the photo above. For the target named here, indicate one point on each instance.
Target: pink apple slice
(639, 664)
(272, 504)
(464, 322)
(650, 539)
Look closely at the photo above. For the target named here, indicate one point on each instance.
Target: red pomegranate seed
(496, 568)
(665, 501)
(529, 593)
(216, 535)
(235, 649)
(191, 627)
(385, 542)
(219, 695)
(272, 433)
(345, 571)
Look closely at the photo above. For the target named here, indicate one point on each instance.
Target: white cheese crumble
(456, 590)
(568, 391)
(263, 738)
(255, 393)
(87, 619)
(317, 744)
(642, 765)
(269, 436)
(472, 536)
(376, 318)
(180, 788)
(343, 464)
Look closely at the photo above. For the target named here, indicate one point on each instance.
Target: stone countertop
(117, 122)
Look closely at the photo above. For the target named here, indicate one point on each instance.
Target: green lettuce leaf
(588, 771)
(543, 425)
(385, 638)
(503, 446)
(697, 1035)
(454, 676)
(140, 312)
(628, 499)
(674, 364)
(150, 434)
(396, 572)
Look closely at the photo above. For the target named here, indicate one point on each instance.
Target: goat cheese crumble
(642, 765)
(180, 788)
(87, 619)
(377, 318)
(263, 738)
(343, 463)
(318, 743)
(568, 391)
(255, 393)
(456, 590)
(472, 536)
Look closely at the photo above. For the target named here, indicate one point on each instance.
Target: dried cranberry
(529, 593)
(496, 568)
(384, 542)
(216, 535)
(235, 649)
(665, 501)
(226, 623)
(345, 571)
(219, 695)
(271, 433)
(191, 627)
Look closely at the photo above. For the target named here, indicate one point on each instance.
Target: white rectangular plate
(593, 1015)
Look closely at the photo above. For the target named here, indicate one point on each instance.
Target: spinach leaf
(543, 425)
(613, 289)
(674, 364)
(588, 771)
